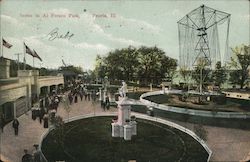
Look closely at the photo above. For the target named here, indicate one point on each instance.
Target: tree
(219, 75)
(184, 72)
(154, 65)
(240, 73)
(146, 64)
(150, 64)
(75, 69)
(201, 73)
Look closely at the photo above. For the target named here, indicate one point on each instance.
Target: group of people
(51, 109)
(81, 91)
(35, 157)
(105, 104)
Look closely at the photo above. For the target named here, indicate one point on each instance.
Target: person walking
(107, 103)
(27, 157)
(85, 95)
(15, 125)
(81, 95)
(46, 120)
(76, 98)
(36, 154)
(70, 98)
(89, 96)
(41, 114)
(103, 104)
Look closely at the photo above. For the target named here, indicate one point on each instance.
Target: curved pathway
(227, 144)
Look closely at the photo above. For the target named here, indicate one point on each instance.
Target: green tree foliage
(146, 64)
(219, 75)
(100, 67)
(184, 72)
(201, 72)
(75, 69)
(240, 65)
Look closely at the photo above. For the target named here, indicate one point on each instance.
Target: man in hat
(36, 154)
(15, 125)
(26, 157)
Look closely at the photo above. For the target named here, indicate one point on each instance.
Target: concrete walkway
(30, 131)
(227, 144)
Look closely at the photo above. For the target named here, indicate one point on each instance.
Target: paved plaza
(227, 144)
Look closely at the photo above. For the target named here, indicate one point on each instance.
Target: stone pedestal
(134, 127)
(127, 132)
(121, 130)
(115, 130)
(4, 68)
(124, 126)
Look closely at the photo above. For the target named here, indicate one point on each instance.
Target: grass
(172, 100)
(90, 140)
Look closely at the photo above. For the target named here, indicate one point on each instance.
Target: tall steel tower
(199, 42)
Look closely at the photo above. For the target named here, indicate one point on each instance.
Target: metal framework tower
(199, 41)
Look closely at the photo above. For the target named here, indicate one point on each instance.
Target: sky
(97, 27)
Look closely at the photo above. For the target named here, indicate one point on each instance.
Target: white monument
(123, 90)
(124, 126)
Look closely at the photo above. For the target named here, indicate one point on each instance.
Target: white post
(163, 88)
(151, 87)
(100, 94)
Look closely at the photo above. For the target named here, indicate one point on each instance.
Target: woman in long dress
(46, 120)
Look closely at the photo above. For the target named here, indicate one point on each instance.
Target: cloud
(153, 28)
(11, 20)
(123, 41)
(61, 11)
(98, 47)
(177, 12)
(89, 21)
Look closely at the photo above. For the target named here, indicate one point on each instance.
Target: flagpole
(33, 62)
(18, 60)
(2, 45)
(24, 51)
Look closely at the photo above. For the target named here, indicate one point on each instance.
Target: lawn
(172, 100)
(90, 140)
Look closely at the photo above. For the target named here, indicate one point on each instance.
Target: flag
(36, 55)
(6, 44)
(63, 62)
(27, 50)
